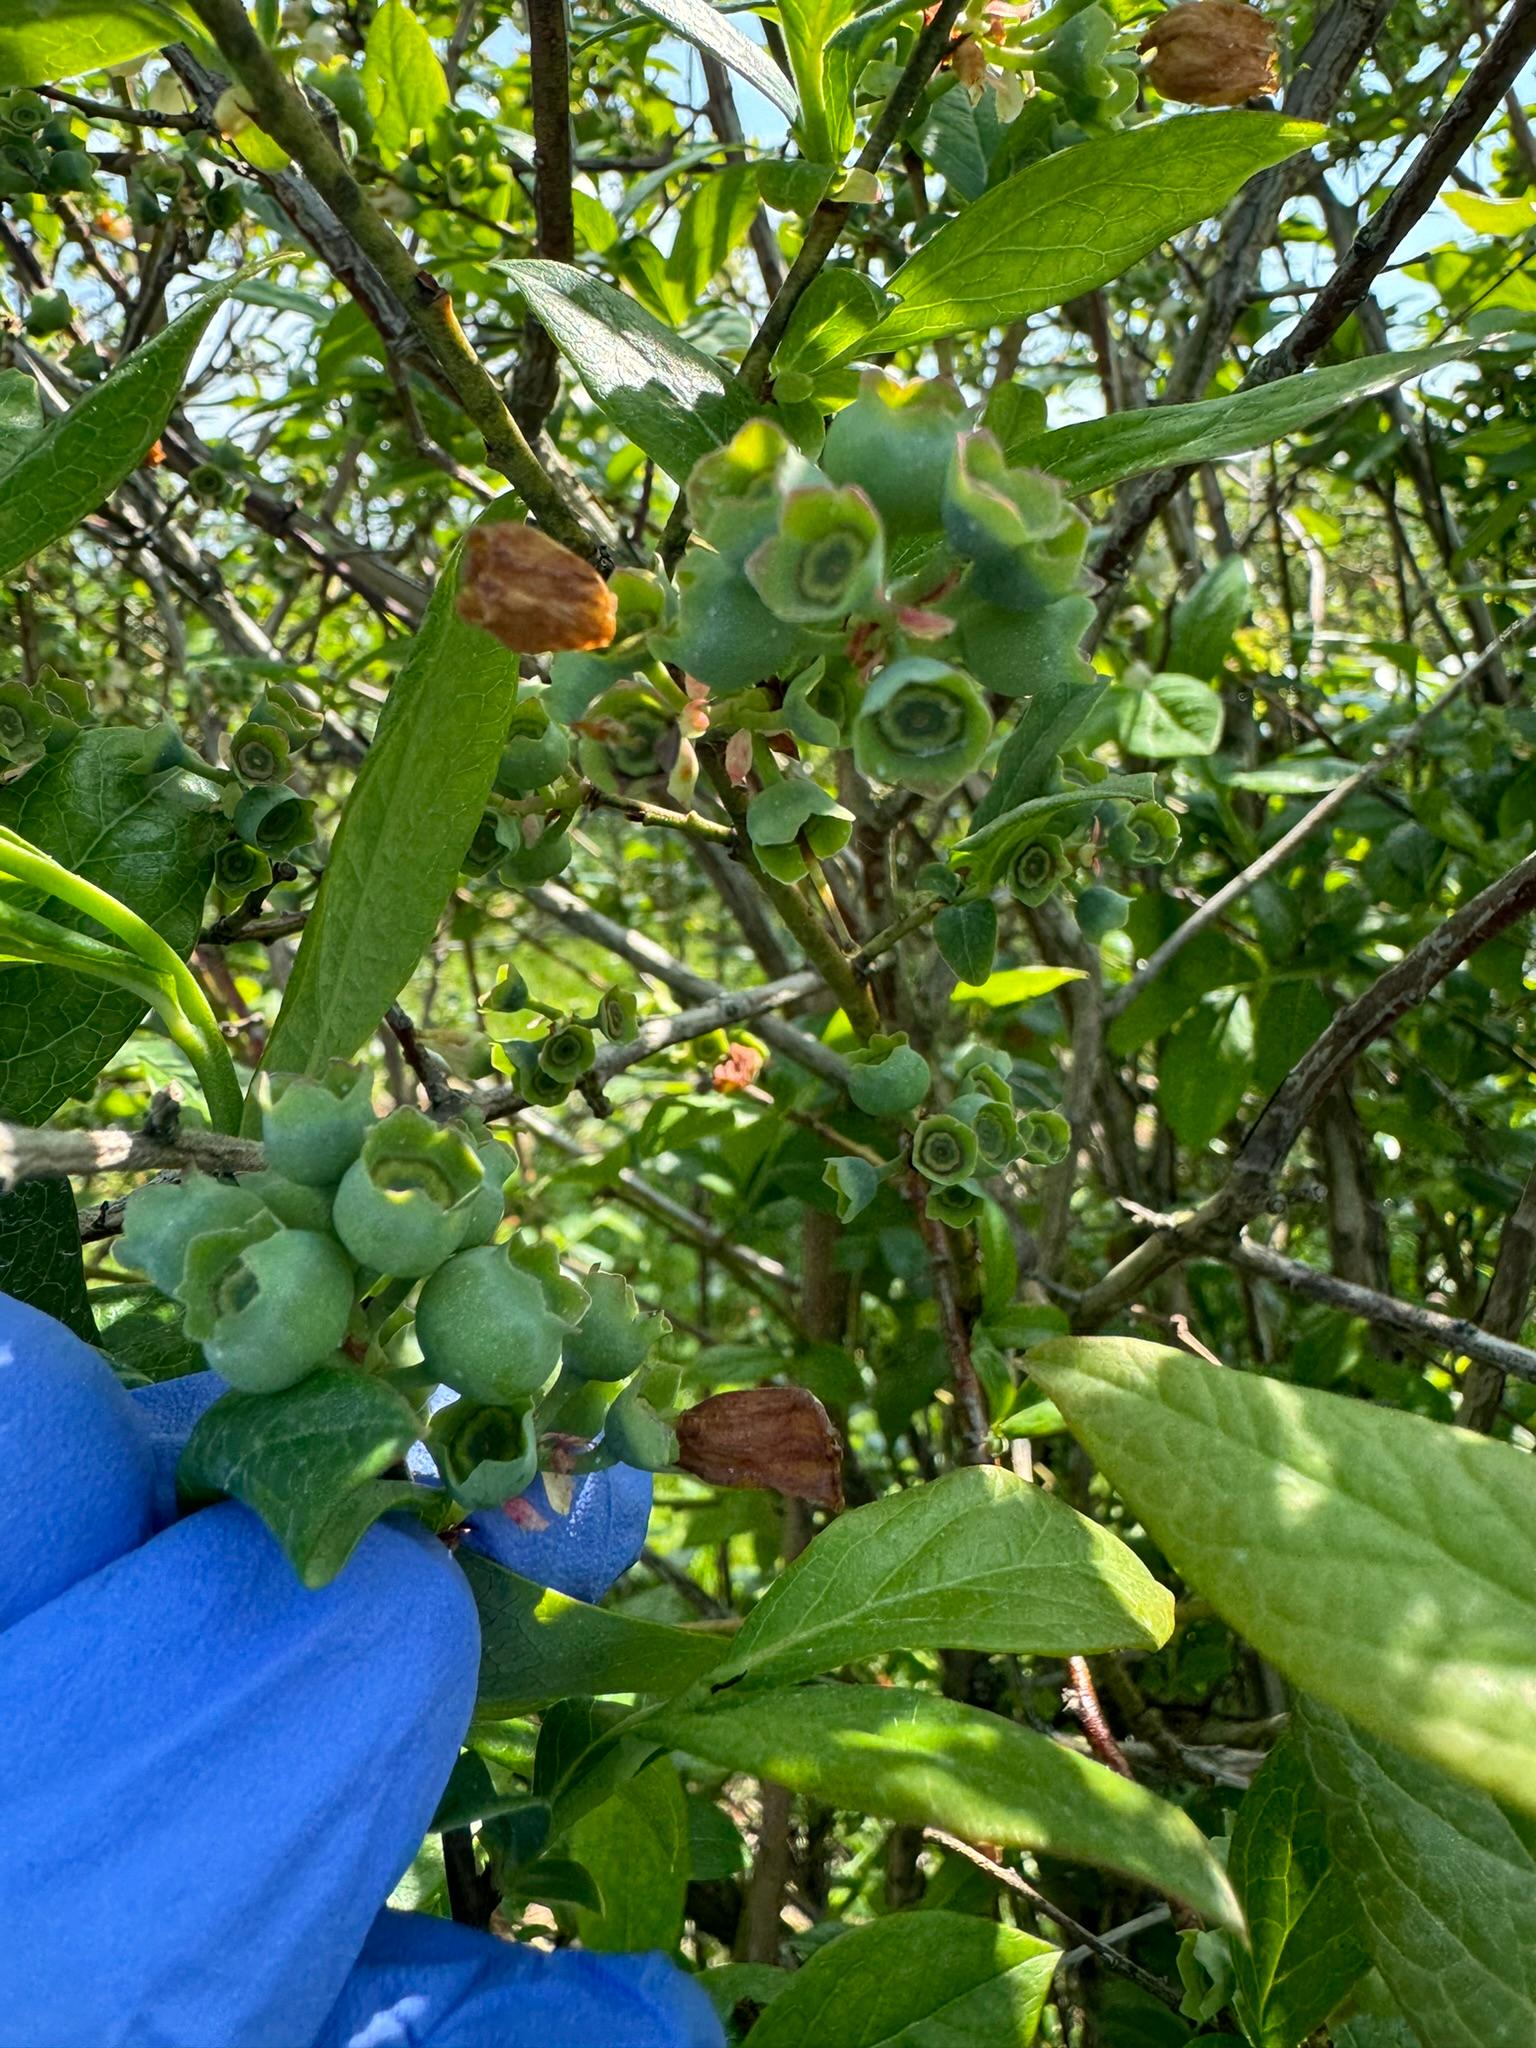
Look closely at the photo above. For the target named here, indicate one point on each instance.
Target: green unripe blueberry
(69, 170)
(995, 1125)
(84, 360)
(25, 113)
(49, 313)
(956, 1204)
(486, 1208)
(273, 818)
(542, 1088)
(266, 1309)
(492, 1320)
(537, 751)
(402, 1205)
(529, 861)
(1044, 1137)
(567, 1053)
(300, 1207)
(486, 1454)
(944, 1150)
(259, 753)
(313, 1125)
(897, 441)
(618, 1015)
(223, 206)
(887, 1077)
(636, 1434)
(161, 1220)
(615, 1336)
(238, 869)
(1101, 910)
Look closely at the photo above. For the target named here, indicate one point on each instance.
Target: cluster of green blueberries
(888, 601)
(313, 1263)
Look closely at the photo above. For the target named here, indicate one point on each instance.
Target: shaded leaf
(1304, 1950)
(1203, 1070)
(966, 936)
(537, 1646)
(41, 1261)
(309, 1461)
(1168, 716)
(635, 1846)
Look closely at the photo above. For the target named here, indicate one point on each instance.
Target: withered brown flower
(534, 595)
(1211, 53)
(778, 1437)
(739, 1069)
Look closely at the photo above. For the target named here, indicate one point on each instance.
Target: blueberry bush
(770, 766)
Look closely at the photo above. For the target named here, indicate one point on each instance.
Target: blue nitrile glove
(214, 1777)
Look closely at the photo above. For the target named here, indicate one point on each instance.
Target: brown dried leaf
(534, 595)
(1212, 53)
(778, 1437)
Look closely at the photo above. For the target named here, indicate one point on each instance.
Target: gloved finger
(214, 1776)
(423, 1983)
(170, 1409)
(580, 1553)
(78, 1471)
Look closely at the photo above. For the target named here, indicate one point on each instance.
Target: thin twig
(1081, 1698)
(1093, 1944)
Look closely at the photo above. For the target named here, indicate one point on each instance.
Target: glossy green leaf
(104, 808)
(978, 1560)
(40, 1254)
(537, 1646)
(1203, 1069)
(1446, 1884)
(403, 835)
(1384, 1562)
(636, 1847)
(1304, 1950)
(310, 1461)
(402, 78)
(1076, 219)
(915, 1980)
(703, 25)
(1205, 621)
(80, 458)
(45, 41)
(1168, 716)
(670, 398)
(1092, 454)
(966, 936)
(823, 75)
(913, 1756)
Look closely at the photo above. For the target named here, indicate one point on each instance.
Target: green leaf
(823, 75)
(1205, 621)
(837, 307)
(403, 81)
(855, 1182)
(1304, 1951)
(60, 475)
(636, 1847)
(1167, 716)
(1446, 1882)
(104, 808)
(1384, 1562)
(915, 1980)
(713, 223)
(1014, 985)
(403, 834)
(966, 936)
(1077, 219)
(41, 1261)
(537, 1646)
(1054, 716)
(913, 1756)
(672, 400)
(697, 22)
(1288, 1017)
(45, 41)
(1095, 453)
(977, 1560)
(21, 414)
(1203, 1070)
(309, 1461)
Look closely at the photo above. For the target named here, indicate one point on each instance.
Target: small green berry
(313, 1125)
(491, 1321)
(402, 1205)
